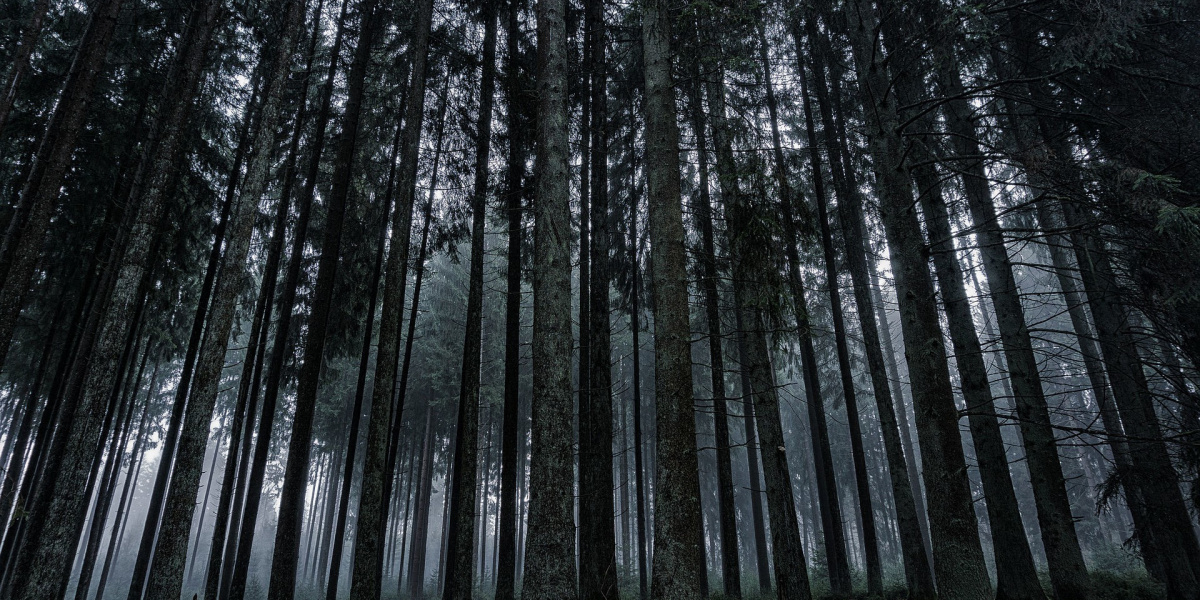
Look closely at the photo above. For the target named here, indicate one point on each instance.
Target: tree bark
(116, 449)
(236, 580)
(598, 560)
(550, 547)
(678, 566)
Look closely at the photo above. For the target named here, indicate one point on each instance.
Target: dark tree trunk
(343, 503)
(791, 570)
(420, 528)
(171, 549)
(401, 387)
(43, 568)
(1065, 558)
(135, 467)
(918, 575)
(827, 487)
(459, 579)
(368, 547)
(858, 453)
(236, 580)
(635, 327)
(730, 567)
(1016, 575)
(506, 575)
(287, 534)
(957, 553)
(212, 470)
(550, 554)
(679, 570)
(598, 562)
(150, 529)
(753, 452)
(117, 443)
(16, 460)
(727, 179)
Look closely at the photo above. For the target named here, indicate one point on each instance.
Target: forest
(599, 299)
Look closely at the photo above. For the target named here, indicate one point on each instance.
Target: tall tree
(918, 575)
(957, 553)
(597, 533)
(241, 545)
(550, 546)
(827, 488)
(678, 565)
(460, 550)
(703, 215)
(295, 481)
(43, 566)
(514, 190)
(368, 545)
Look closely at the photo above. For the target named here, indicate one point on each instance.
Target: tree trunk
(1016, 575)
(171, 549)
(635, 327)
(791, 570)
(12, 474)
(212, 469)
(117, 443)
(287, 299)
(195, 338)
(420, 528)
(679, 570)
(918, 575)
(130, 485)
(343, 503)
(550, 551)
(1065, 558)
(730, 193)
(459, 572)
(726, 517)
(291, 504)
(243, 418)
(598, 563)
(401, 387)
(958, 555)
(858, 453)
(368, 547)
(506, 575)
(827, 487)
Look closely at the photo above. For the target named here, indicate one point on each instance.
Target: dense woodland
(596, 299)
